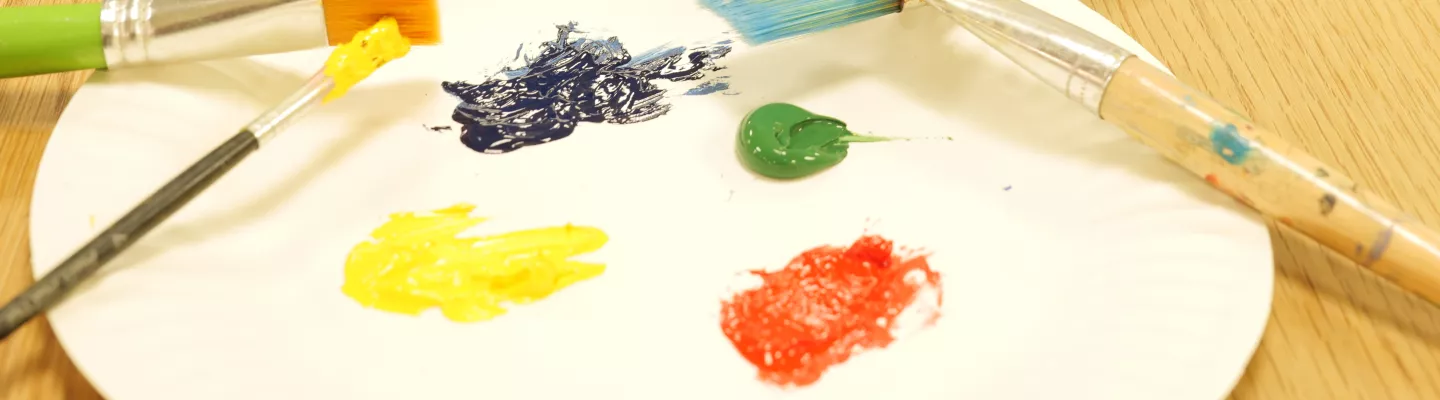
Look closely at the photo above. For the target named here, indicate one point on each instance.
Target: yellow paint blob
(416, 261)
(352, 62)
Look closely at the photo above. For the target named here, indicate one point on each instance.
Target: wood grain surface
(1356, 83)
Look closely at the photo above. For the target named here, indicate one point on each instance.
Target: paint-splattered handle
(1272, 176)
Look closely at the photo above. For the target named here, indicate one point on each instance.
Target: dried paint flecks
(1382, 243)
(827, 304)
(1214, 181)
(1327, 204)
(709, 87)
(1193, 139)
(574, 79)
(1228, 143)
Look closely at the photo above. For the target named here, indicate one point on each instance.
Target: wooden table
(1357, 83)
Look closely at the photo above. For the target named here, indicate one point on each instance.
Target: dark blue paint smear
(573, 81)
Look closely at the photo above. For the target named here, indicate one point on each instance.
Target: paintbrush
(116, 34)
(1185, 125)
(348, 64)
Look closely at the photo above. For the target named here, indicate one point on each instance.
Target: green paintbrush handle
(43, 39)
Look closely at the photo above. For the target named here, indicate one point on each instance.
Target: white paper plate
(1103, 272)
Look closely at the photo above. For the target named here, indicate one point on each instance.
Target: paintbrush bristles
(761, 21)
(419, 20)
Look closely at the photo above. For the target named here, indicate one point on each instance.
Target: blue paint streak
(656, 53)
(1228, 143)
(708, 88)
(514, 73)
(572, 81)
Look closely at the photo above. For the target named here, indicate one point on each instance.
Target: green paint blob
(783, 141)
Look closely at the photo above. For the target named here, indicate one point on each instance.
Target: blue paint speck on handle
(1228, 143)
(572, 81)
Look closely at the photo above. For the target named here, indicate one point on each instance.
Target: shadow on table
(35, 363)
(1348, 293)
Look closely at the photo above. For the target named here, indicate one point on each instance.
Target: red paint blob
(827, 304)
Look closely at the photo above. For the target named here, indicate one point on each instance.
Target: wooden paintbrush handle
(1272, 176)
(129, 228)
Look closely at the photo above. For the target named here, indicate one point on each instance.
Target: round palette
(1059, 258)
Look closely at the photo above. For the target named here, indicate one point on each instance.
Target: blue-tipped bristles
(762, 21)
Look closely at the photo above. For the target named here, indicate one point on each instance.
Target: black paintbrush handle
(58, 282)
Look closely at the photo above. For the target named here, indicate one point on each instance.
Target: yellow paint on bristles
(419, 19)
(370, 49)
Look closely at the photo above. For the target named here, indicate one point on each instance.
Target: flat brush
(1187, 126)
(348, 65)
(116, 34)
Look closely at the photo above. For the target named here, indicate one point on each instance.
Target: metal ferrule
(139, 32)
(1071, 59)
(272, 122)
